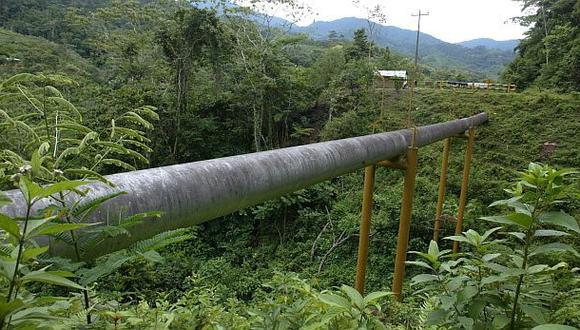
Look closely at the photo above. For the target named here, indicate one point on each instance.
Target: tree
(549, 56)
(360, 46)
(186, 39)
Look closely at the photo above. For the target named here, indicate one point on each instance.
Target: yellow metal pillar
(441, 195)
(405, 221)
(363, 241)
(464, 186)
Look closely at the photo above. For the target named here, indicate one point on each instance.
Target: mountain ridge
(483, 56)
(507, 45)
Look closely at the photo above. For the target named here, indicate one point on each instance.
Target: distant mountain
(486, 60)
(507, 45)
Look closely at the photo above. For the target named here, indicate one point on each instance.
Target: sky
(448, 20)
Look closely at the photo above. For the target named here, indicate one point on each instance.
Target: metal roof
(393, 73)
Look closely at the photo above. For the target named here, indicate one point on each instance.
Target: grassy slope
(518, 125)
(40, 55)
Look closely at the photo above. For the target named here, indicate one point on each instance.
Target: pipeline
(193, 193)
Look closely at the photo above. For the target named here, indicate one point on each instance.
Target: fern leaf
(110, 264)
(88, 174)
(161, 240)
(21, 77)
(137, 144)
(138, 218)
(148, 111)
(135, 118)
(138, 156)
(82, 210)
(52, 90)
(113, 146)
(66, 104)
(118, 163)
(91, 136)
(75, 127)
(66, 153)
(131, 133)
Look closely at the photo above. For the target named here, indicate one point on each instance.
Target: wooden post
(405, 221)
(464, 186)
(363, 241)
(441, 194)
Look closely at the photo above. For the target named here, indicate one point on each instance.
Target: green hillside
(40, 55)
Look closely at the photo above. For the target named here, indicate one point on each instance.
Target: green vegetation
(109, 86)
(549, 56)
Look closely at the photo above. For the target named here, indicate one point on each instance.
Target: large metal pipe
(192, 193)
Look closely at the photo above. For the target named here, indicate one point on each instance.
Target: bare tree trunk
(182, 80)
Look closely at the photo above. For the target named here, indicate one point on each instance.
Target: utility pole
(418, 31)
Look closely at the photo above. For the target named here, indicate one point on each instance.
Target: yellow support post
(441, 195)
(363, 241)
(405, 221)
(464, 186)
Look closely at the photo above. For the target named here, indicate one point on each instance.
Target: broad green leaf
(448, 302)
(354, 296)
(560, 219)
(419, 263)
(466, 322)
(8, 308)
(436, 317)
(475, 308)
(521, 219)
(433, 249)
(489, 232)
(4, 200)
(30, 190)
(562, 172)
(56, 228)
(491, 256)
(537, 269)
(422, 278)
(550, 326)
(456, 282)
(10, 226)
(521, 236)
(550, 233)
(500, 322)
(468, 292)
(33, 252)
(518, 219)
(459, 239)
(36, 223)
(374, 296)
(61, 187)
(50, 278)
(334, 300)
(554, 247)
